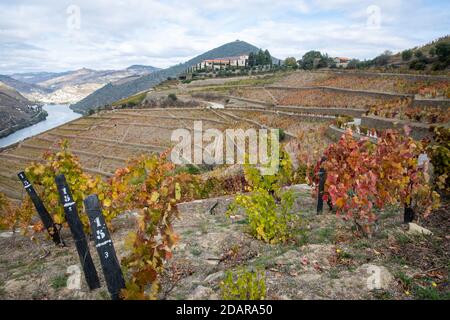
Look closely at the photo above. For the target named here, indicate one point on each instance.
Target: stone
(202, 293)
(6, 234)
(309, 277)
(214, 276)
(287, 258)
(415, 229)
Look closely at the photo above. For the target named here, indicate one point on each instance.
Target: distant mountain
(142, 69)
(116, 91)
(16, 111)
(36, 77)
(71, 86)
(23, 87)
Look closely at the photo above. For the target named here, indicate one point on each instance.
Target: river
(58, 114)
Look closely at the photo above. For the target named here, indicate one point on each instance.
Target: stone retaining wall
(357, 113)
(343, 90)
(435, 103)
(418, 130)
(411, 77)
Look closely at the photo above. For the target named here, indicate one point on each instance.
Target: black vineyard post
(408, 215)
(41, 210)
(322, 178)
(76, 227)
(105, 247)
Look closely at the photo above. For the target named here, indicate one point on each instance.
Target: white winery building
(222, 63)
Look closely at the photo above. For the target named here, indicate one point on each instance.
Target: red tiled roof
(222, 60)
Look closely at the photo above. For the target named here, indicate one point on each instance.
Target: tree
(260, 58)
(251, 59)
(432, 51)
(418, 54)
(290, 62)
(407, 54)
(268, 57)
(443, 51)
(326, 61)
(383, 58)
(308, 59)
(353, 64)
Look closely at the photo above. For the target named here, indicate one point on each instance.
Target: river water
(58, 114)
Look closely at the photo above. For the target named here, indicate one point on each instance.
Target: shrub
(172, 97)
(417, 65)
(268, 207)
(439, 152)
(363, 176)
(407, 54)
(42, 175)
(245, 285)
(341, 120)
(282, 134)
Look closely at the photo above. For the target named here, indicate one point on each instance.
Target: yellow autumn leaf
(107, 202)
(177, 191)
(340, 202)
(57, 219)
(38, 170)
(154, 197)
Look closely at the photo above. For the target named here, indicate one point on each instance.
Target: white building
(223, 63)
(341, 62)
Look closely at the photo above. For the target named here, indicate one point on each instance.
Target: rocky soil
(324, 261)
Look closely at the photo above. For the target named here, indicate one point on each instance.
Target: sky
(64, 35)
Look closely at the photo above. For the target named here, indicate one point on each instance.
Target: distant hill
(36, 77)
(16, 111)
(142, 69)
(71, 86)
(113, 92)
(23, 87)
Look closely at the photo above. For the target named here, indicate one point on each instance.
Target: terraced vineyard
(230, 216)
(104, 141)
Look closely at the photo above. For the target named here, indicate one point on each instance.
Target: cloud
(38, 36)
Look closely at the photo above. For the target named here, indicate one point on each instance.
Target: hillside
(113, 92)
(16, 111)
(433, 57)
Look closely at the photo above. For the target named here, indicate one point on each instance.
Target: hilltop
(113, 92)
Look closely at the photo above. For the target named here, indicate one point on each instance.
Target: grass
(59, 282)
(104, 295)
(195, 251)
(426, 290)
(383, 295)
(2, 289)
(133, 100)
(188, 168)
(326, 235)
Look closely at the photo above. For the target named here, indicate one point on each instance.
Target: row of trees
(419, 60)
(310, 60)
(260, 58)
